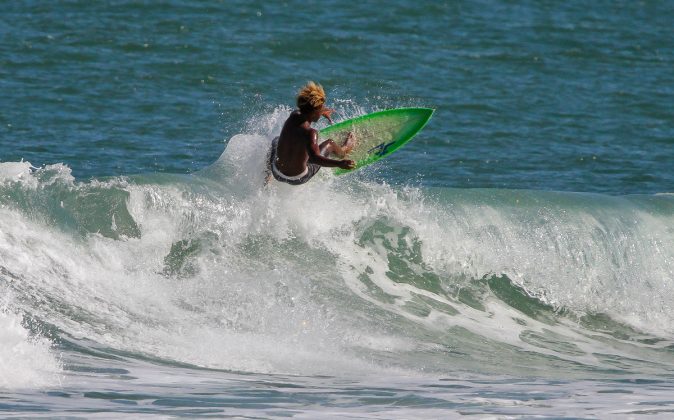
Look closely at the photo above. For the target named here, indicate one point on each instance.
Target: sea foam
(26, 360)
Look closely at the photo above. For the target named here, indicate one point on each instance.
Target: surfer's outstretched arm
(327, 113)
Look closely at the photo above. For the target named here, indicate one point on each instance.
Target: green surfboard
(377, 134)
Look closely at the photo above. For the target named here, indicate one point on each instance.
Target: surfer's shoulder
(295, 114)
(307, 135)
(312, 134)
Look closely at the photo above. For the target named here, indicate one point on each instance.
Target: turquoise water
(515, 259)
(572, 97)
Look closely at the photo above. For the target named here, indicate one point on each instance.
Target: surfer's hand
(327, 112)
(347, 164)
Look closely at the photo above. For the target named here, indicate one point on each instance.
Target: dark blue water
(572, 97)
(515, 259)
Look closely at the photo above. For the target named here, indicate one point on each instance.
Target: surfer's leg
(330, 147)
(349, 143)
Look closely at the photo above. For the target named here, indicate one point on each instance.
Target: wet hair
(311, 97)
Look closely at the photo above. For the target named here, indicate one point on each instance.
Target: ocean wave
(344, 273)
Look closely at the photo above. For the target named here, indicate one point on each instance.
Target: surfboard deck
(377, 134)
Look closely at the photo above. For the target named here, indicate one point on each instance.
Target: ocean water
(515, 260)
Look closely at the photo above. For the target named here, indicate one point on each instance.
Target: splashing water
(340, 274)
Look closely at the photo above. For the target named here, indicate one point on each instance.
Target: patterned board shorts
(312, 169)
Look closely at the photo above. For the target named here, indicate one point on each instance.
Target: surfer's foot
(349, 143)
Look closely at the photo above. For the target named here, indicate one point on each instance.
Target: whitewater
(349, 296)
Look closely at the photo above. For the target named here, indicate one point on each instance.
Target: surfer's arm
(327, 113)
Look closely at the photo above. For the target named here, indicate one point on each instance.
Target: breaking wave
(344, 273)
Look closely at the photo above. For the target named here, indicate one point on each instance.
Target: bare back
(294, 145)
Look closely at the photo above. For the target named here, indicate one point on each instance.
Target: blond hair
(310, 97)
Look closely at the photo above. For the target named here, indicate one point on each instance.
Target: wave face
(341, 274)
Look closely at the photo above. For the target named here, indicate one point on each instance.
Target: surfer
(295, 156)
